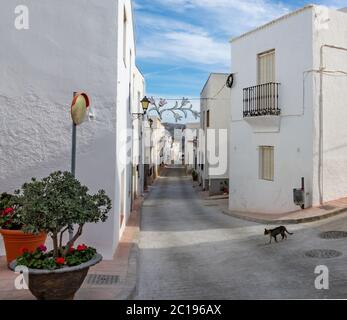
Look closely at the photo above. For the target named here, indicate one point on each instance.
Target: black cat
(275, 232)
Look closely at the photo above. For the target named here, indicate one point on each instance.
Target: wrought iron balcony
(261, 100)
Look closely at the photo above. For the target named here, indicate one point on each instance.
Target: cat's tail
(288, 232)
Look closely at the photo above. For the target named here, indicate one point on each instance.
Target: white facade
(138, 135)
(68, 49)
(158, 143)
(215, 119)
(191, 145)
(309, 136)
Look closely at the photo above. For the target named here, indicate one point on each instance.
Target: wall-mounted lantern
(145, 102)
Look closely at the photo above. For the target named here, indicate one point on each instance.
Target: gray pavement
(189, 249)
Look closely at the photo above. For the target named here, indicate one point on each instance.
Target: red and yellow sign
(79, 108)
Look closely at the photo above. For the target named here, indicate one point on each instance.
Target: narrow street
(190, 250)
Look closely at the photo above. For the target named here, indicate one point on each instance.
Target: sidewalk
(122, 266)
(326, 211)
(206, 194)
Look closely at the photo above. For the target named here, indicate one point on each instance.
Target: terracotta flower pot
(15, 240)
(61, 284)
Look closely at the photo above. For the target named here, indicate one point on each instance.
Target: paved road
(190, 250)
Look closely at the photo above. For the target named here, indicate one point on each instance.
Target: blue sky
(179, 42)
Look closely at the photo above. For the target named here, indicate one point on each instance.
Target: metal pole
(73, 162)
(73, 153)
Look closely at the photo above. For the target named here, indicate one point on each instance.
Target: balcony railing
(261, 100)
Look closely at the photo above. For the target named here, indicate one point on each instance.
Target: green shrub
(53, 203)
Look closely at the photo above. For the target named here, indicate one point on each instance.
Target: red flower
(60, 261)
(82, 247)
(42, 248)
(72, 250)
(24, 250)
(7, 212)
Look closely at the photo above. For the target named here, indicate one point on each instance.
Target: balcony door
(266, 67)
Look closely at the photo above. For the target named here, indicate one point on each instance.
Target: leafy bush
(53, 203)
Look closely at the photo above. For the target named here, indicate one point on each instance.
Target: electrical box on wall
(299, 195)
(299, 198)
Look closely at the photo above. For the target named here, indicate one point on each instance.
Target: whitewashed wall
(292, 39)
(330, 28)
(190, 151)
(126, 68)
(217, 101)
(138, 149)
(70, 46)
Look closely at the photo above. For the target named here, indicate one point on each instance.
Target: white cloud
(156, 22)
(197, 48)
(229, 16)
(178, 40)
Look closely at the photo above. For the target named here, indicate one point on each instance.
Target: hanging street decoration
(179, 110)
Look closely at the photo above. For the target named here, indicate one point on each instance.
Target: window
(125, 31)
(266, 67)
(266, 163)
(208, 119)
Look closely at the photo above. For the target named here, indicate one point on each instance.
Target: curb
(131, 277)
(132, 273)
(212, 198)
(286, 221)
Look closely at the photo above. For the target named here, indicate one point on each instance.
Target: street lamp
(145, 102)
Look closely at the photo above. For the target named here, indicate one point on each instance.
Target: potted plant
(194, 175)
(11, 228)
(224, 187)
(53, 204)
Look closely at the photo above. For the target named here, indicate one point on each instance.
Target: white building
(289, 112)
(214, 121)
(138, 136)
(166, 142)
(191, 146)
(70, 46)
(154, 131)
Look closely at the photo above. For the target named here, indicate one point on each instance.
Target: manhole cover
(323, 254)
(327, 208)
(102, 280)
(333, 235)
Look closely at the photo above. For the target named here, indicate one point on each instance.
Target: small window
(208, 119)
(266, 163)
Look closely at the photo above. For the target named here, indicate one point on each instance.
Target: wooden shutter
(266, 67)
(266, 164)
